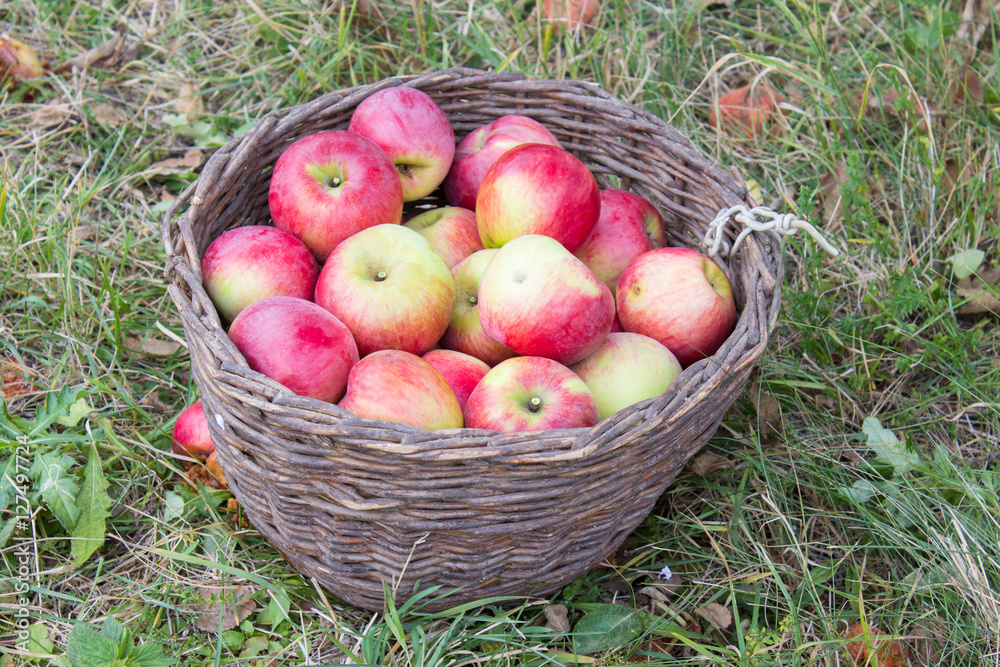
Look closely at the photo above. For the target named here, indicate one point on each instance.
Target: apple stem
(473, 300)
(335, 182)
(380, 276)
(534, 404)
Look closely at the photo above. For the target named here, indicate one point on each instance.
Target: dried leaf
(981, 292)
(108, 49)
(17, 61)
(966, 87)
(708, 462)
(12, 380)
(829, 193)
(189, 102)
(887, 653)
(772, 424)
(214, 469)
(976, 17)
(50, 114)
(574, 13)
(717, 615)
(153, 347)
(192, 158)
(557, 618)
(223, 608)
(748, 111)
(929, 639)
(109, 114)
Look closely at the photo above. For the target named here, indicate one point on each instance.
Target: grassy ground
(854, 484)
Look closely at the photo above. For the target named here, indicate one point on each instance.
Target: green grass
(816, 520)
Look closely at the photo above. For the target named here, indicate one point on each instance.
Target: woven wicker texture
(357, 502)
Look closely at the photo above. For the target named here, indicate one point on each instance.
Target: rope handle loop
(758, 219)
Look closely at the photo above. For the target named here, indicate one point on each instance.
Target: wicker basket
(356, 503)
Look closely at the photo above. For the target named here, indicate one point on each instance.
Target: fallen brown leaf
(557, 618)
(877, 651)
(708, 462)
(18, 61)
(570, 12)
(772, 424)
(214, 469)
(717, 615)
(12, 380)
(153, 347)
(829, 193)
(929, 639)
(191, 159)
(189, 101)
(109, 114)
(747, 111)
(966, 86)
(223, 608)
(981, 292)
(106, 50)
(50, 114)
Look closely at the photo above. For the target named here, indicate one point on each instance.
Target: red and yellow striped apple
(462, 371)
(451, 231)
(465, 332)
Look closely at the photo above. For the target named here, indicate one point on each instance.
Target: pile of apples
(535, 300)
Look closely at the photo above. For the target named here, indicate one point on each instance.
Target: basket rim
(465, 444)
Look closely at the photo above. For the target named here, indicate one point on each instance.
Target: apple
(461, 371)
(541, 301)
(415, 133)
(478, 150)
(537, 189)
(625, 369)
(679, 297)
(572, 12)
(627, 227)
(329, 185)
(451, 231)
(190, 435)
(250, 263)
(465, 332)
(390, 288)
(401, 387)
(298, 344)
(747, 111)
(530, 394)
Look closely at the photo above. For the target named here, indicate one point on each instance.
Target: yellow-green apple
(462, 371)
(329, 185)
(465, 332)
(625, 369)
(530, 394)
(451, 231)
(679, 297)
(390, 288)
(190, 435)
(628, 226)
(537, 189)
(401, 387)
(250, 263)
(298, 344)
(413, 130)
(478, 150)
(539, 300)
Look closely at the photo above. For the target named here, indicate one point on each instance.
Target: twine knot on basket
(758, 219)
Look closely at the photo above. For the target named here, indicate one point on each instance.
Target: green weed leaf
(8, 470)
(87, 648)
(7, 531)
(94, 507)
(606, 627)
(76, 411)
(114, 630)
(38, 640)
(57, 405)
(149, 655)
(966, 262)
(860, 492)
(174, 508)
(278, 608)
(888, 447)
(57, 488)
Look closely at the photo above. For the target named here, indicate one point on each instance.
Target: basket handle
(758, 219)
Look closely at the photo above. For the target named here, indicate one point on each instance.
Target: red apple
(541, 301)
(571, 12)
(330, 185)
(627, 227)
(401, 387)
(390, 288)
(465, 332)
(250, 263)
(462, 371)
(413, 130)
(298, 344)
(479, 149)
(748, 111)
(537, 189)
(626, 369)
(190, 435)
(451, 231)
(679, 297)
(530, 394)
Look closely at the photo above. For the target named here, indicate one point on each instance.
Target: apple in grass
(461, 371)
(628, 226)
(537, 189)
(451, 231)
(625, 369)
(478, 150)
(539, 300)
(298, 344)
(465, 331)
(328, 186)
(390, 288)
(413, 131)
(530, 394)
(680, 298)
(401, 387)
(250, 263)
(190, 434)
